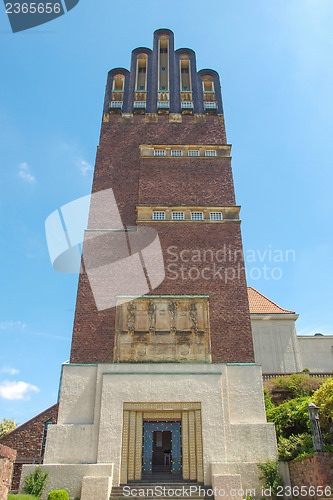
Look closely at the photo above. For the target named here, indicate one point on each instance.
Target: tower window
(163, 63)
(176, 152)
(207, 84)
(178, 216)
(210, 152)
(158, 215)
(215, 216)
(118, 83)
(141, 73)
(193, 152)
(159, 152)
(196, 216)
(185, 77)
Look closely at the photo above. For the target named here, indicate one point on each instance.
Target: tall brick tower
(162, 381)
(163, 151)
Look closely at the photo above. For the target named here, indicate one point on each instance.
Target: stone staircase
(162, 489)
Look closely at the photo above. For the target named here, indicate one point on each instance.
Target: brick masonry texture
(186, 181)
(312, 470)
(170, 181)
(7, 458)
(27, 440)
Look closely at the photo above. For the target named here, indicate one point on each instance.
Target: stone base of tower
(112, 419)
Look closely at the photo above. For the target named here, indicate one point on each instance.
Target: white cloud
(11, 371)
(6, 325)
(85, 167)
(25, 174)
(16, 390)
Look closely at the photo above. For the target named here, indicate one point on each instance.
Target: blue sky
(275, 62)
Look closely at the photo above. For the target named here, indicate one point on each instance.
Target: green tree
(291, 417)
(294, 446)
(323, 398)
(6, 426)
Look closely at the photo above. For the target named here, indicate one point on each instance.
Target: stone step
(145, 490)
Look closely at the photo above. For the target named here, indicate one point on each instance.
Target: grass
(21, 497)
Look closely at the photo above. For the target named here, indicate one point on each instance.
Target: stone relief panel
(163, 329)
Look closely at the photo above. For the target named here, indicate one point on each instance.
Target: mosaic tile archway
(189, 417)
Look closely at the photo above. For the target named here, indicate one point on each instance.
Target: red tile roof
(259, 304)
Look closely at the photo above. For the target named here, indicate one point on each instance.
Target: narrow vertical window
(117, 95)
(141, 73)
(163, 64)
(185, 74)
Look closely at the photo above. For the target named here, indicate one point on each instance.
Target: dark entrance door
(162, 444)
(159, 438)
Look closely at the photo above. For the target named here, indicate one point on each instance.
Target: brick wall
(171, 181)
(7, 458)
(312, 470)
(27, 440)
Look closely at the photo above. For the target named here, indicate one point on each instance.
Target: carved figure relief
(131, 317)
(152, 316)
(163, 329)
(194, 317)
(173, 312)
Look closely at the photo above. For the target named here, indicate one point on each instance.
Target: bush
(270, 475)
(35, 483)
(291, 417)
(294, 446)
(269, 405)
(58, 495)
(296, 385)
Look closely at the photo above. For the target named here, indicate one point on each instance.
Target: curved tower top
(163, 80)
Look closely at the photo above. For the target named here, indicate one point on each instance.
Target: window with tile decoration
(159, 152)
(196, 215)
(158, 215)
(210, 152)
(193, 152)
(178, 216)
(176, 152)
(215, 216)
